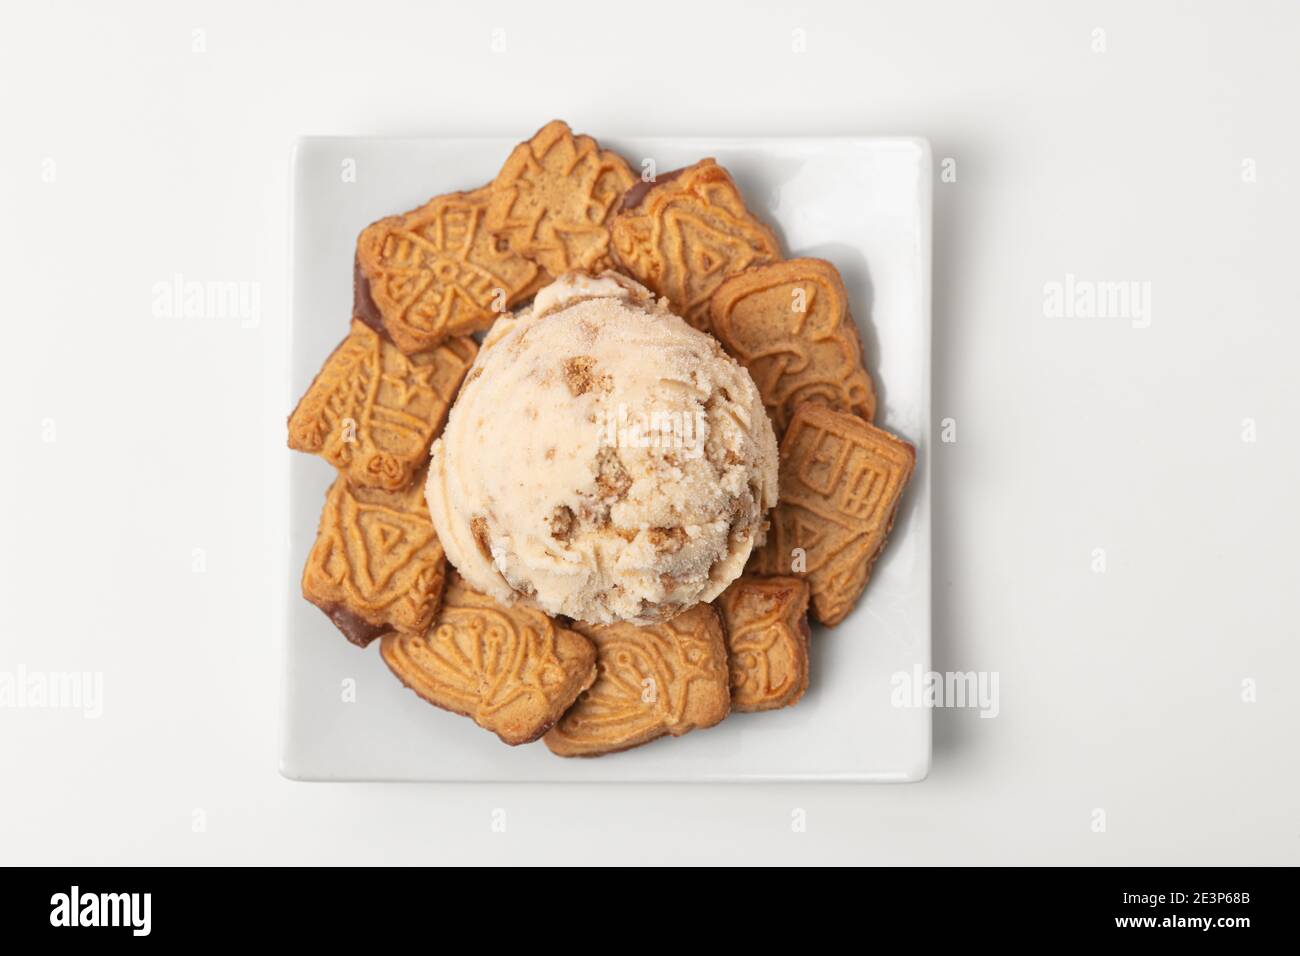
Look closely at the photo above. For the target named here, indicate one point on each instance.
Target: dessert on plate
(607, 517)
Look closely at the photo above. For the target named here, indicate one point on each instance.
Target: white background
(1120, 690)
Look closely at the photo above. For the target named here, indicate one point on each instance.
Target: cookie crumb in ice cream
(668, 540)
(580, 375)
(611, 477)
(478, 528)
(562, 522)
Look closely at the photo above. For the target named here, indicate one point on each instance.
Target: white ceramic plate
(862, 203)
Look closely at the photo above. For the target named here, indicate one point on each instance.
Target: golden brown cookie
(789, 324)
(767, 640)
(683, 234)
(841, 480)
(666, 678)
(372, 412)
(377, 564)
(436, 271)
(513, 671)
(554, 196)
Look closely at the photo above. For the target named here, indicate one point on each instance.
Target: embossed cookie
(437, 272)
(377, 564)
(841, 480)
(372, 412)
(683, 234)
(554, 196)
(789, 324)
(513, 671)
(666, 678)
(767, 640)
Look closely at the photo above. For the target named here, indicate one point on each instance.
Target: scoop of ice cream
(604, 460)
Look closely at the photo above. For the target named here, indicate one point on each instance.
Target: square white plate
(862, 203)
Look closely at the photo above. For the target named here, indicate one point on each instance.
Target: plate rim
(285, 764)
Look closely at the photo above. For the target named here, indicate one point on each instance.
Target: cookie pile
(425, 282)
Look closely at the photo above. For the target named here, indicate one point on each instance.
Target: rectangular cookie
(767, 641)
(841, 480)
